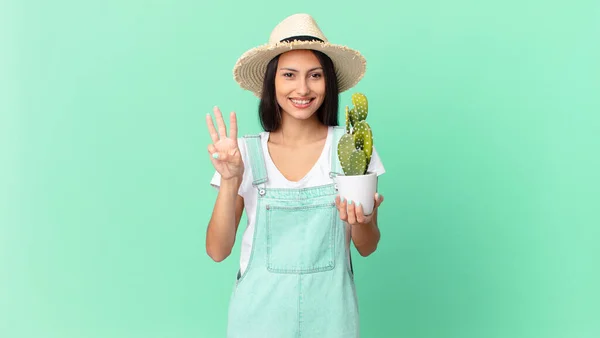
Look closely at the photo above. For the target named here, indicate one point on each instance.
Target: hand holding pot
(353, 214)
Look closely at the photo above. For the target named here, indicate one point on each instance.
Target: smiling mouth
(301, 103)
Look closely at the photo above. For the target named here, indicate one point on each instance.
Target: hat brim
(249, 70)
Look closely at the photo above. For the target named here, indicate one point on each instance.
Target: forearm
(220, 235)
(366, 236)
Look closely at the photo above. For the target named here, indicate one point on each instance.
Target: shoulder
(260, 135)
(337, 132)
(376, 165)
(249, 142)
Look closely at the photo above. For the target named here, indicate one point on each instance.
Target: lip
(302, 106)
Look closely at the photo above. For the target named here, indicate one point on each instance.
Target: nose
(303, 88)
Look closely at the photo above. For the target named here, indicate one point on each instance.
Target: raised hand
(224, 151)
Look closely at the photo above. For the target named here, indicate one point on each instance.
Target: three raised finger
(222, 133)
(220, 122)
(233, 128)
(211, 129)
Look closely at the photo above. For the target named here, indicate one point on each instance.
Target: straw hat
(299, 31)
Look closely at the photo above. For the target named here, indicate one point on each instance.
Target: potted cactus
(354, 150)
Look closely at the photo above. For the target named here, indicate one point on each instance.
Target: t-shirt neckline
(315, 167)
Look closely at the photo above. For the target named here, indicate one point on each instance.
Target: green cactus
(356, 145)
(361, 106)
(348, 123)
(363, 139)
(353, 116)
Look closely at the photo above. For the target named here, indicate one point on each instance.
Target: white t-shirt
(318, 175)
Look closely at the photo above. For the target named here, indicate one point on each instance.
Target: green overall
(299, 281)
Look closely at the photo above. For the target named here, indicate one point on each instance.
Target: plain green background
(485, 113)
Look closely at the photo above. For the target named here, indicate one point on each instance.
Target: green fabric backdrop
(485, 113)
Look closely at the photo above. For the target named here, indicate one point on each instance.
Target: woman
(295, 275)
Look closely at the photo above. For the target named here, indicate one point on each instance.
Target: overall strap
(257, 161)
(336, 167)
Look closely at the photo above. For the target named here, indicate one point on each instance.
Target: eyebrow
(294, 70)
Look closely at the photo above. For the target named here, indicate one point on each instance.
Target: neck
(298, 132)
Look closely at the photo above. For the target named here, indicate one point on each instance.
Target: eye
(288, 74)
(317, 75)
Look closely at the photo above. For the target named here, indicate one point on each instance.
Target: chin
(301, 115)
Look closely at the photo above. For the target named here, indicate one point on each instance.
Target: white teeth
(301, 101)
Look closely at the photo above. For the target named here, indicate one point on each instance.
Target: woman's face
(299, 83)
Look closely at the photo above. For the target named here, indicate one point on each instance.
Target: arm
(225, 219)
(227, 159)
(365, 235)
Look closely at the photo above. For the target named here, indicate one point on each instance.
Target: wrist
(365, 226)
(231, 184)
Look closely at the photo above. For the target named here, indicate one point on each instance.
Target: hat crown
(296, 25)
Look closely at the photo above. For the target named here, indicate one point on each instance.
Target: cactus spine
(356, 145)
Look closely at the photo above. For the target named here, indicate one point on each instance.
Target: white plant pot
(358, 189)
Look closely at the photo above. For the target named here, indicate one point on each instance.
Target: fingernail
(358, 204)
(215, 155)
(343, 200)
(376, 196)
(349, 202)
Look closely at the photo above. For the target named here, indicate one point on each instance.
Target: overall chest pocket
(301, 239)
